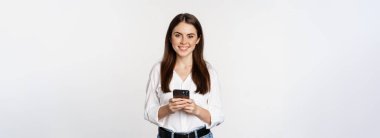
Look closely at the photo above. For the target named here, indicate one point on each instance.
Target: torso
(187, 122)
(183, 73)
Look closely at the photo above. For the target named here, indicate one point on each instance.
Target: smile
(183, 47)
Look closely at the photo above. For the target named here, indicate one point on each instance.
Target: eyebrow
(187, 34)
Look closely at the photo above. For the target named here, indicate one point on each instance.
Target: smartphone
(177, 93)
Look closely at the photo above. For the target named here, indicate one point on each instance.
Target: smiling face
(184, 39)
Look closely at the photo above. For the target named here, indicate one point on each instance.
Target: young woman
(183, 67)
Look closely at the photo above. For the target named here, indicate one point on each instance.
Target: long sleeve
(214, 101)
(152, 103)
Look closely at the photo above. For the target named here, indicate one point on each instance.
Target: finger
(178, 106)
(181, 106)
(180, 102)
(189, 108)
(188, 111)
(187, 100)
(190, 101)
(175, 105)
(175, 108)
(174, 99)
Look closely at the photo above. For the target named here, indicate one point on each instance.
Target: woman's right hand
(176, 104)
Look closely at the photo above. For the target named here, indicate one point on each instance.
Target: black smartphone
(177, 93)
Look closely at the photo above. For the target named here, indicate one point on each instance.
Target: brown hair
(200, 74)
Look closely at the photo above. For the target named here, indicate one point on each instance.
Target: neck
(184, 61)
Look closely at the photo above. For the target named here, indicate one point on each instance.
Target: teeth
(183, 47)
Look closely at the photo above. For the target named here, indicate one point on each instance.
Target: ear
(199, 38)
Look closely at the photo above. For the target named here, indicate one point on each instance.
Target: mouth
(183, 48)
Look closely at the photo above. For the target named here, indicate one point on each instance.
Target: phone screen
(177, 93)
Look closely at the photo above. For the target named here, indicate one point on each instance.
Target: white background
(288, 68)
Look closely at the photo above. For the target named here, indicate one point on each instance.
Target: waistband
(164, 133)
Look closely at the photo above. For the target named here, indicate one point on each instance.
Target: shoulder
(157, 66)
(211, 69)
(155, 69)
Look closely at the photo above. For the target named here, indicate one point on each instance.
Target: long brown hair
(200, 74)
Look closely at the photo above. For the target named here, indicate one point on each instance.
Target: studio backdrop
(287, 68)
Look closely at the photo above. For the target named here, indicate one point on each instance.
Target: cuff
(152, 116)
(216, 118)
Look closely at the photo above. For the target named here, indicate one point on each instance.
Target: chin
(183, 54)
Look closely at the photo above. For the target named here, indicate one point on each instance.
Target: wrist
(197, 111)
(168, 109)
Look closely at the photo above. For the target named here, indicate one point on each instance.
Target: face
(184, 38)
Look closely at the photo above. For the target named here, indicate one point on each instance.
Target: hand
(191, 107)
(176, 104)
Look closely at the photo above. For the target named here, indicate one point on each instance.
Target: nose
(183, 40)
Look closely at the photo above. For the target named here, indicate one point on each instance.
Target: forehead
(185, 28)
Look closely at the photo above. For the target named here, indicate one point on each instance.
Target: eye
(190, 36)
(177, 35)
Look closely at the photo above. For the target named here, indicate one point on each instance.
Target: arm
(163, 111)
(214, 102)
(201, 113)
(152, 103)
(211, 114)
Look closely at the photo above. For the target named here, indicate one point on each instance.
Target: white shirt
(181, 121)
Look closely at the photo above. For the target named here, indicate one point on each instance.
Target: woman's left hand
(194, 109)
(191, 107)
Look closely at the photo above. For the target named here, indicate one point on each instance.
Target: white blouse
(181, 121)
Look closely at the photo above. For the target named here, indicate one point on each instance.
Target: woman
(183, 67)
